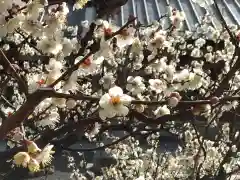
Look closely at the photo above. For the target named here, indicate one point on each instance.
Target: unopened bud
(71, 103)
(176, 94)
(214, 100)
(140, 108)
(173, 101)
(234, 148)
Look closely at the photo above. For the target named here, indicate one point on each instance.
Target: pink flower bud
(173, 101)
(176, 95)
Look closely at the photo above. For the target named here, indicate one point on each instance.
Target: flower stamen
(115, 100)
(107, 32)
(86, 63)
(41, 82)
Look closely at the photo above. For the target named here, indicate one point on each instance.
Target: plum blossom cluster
(134, 162)
(144, 80)
(34, 157)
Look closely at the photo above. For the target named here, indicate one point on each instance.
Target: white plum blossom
(135, 85)
(50, 119)
(114, 103)
(54, 65)
(90, 64)
(200, 42)
(49, 46)
(157, 85)
(140, 178)
(71, 84)
(45, 156)
(68, 46)
(204, 3)
(126, 37)
(158, 41)
(71, 103)
(79, 4)
(159, 65)
(177, 18)
(54, 68)
(107, 81)
(35, 81)
(161, 111)
(136, 46)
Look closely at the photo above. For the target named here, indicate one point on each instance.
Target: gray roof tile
(149, 10)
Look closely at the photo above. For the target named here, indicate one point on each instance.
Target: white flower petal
(125, 99)
(123, 111)
(102, 114)
(115, 91)
(99, 60)
(104, 101)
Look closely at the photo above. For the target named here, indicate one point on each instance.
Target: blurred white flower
(50, 119)
(135, 85)
(200, 42)
(140, 178)
(196, 52)
(136, 46)
(125, 37)
(107, 81)
(177, 19)
(49, 46)
(45, 156)
(157, 85)
(35, 81)
(157, 42)
(68, 46)
(90, 64)
(14, 23)
(59, 102)
(54, 65)
(21, 159)
(71, 103)
(173, 101)
(204, 3)
(159, 65)
(161, 111)
(33, 165)
(182, 75)
(139, 108)
(79, 4)
(71, 84)
(94, 131)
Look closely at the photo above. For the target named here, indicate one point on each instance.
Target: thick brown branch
(22, 113)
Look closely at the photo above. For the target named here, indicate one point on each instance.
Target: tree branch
(21, 82)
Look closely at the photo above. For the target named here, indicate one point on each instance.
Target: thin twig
(19, 79)
(97, 148)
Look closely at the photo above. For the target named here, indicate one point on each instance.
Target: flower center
(115, 100)
(41, 82)
(86, 63)
(107, 31)
(238, 36)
